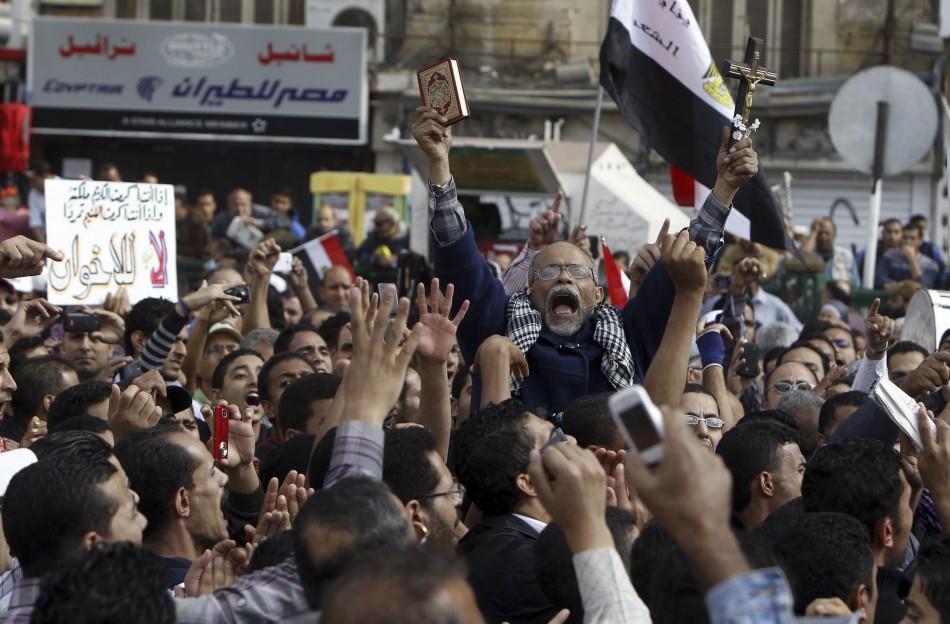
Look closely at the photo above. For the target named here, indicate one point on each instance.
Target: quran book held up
(440, 86)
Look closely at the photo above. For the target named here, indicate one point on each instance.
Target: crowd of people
(453, 458)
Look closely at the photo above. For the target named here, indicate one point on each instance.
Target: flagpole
(590, 153)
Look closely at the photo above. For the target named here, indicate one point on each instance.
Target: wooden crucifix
(750, 75)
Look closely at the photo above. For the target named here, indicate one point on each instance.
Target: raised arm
(683, 260)
(436, 331)
(260, 266)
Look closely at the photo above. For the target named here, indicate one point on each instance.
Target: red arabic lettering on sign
(100, 47)
(293, 54)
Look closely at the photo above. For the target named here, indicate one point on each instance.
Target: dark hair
(145, 316)
(287, 334)
(407, 469)
(409, 583)
(330, 328)
(490, 448)
(84, 422)
(695, 388)
(801, 344)
(933, 570)
(51, 504)
(263, 378)
(645, 555)
(36, 378)
(859, 477)
(828, 416)
(19, 352)
(458, 381)
(773, 415)
(362, 518)
(221, 370)
(110, 584)
(773, 354)
(914, 227)
(76, 400)
(905, 346)
(554, 566)
(588, 419)
(815, 329)
(825, 555)
(272, 551)
(156, 467)
(748, 451)
(296, 402)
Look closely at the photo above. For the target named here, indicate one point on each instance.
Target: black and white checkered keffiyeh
(524, 327)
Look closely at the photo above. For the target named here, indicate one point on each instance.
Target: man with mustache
(573, 344)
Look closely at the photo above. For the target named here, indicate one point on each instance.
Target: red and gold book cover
(440, 87)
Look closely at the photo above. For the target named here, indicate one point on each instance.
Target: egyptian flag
(320, 254)
(618, 284)
(657, 67)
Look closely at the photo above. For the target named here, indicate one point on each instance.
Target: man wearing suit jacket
(492, 450)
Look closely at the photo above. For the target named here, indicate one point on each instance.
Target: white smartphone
(640, 421)
(285, 263)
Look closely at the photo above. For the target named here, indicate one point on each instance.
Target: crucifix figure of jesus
(750, 75)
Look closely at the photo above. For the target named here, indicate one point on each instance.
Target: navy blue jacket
(560, 370)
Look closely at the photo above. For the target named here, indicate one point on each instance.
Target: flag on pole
(322, 253)
(657, 67)
(618, 284)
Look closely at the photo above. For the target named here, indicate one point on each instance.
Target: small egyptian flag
(618, 284)
(322, 253)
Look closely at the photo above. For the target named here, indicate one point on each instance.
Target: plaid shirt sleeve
(268, 595)
(357, 451)
(519, 271)
(707, 226)
(605, 588)
(446, 216)
(759, 597)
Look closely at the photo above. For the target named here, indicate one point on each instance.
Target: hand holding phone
(242, 292)
(640, 422)
(285, 263)
(80, 323)
(221, 417)
(752, 354)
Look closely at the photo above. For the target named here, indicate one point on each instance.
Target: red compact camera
(222, 421)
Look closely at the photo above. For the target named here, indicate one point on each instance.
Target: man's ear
(765, 484)
(884, 532)
(525, 486)
(268, 406)
(138, 340)
(89, 540)
(182, 503)
(418, 518)
(290, 433)
(215, 395)
(47, 400)
(859, 597)
(599, 294)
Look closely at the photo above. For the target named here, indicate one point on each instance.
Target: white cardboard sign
(111, 234)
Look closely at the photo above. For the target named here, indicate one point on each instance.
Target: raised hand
(261, 260)
(737, 164)
(544, 228)
(931, 374)
(499, 352)
(880, 330)
(30, 319)
(647, 256)
(433, 137)
(381, 361)
(436, 330)
(207, 293)
(21, 257)
(744, 273)
(111, 325)
(117, 302)
(684, 260)
(241, 437)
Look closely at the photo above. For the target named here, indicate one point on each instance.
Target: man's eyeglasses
(553, 271)
(712, 423)
(557, 436)
(457, 492)
(785, 386)
(841, 343)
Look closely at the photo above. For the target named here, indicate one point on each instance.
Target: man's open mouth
(564, 303)
(253, 399)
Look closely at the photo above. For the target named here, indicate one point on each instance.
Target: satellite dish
(911, 119)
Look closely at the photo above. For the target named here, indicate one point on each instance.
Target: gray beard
(566, 328)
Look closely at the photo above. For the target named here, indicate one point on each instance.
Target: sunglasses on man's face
(557, 436)
(786, 386)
